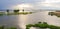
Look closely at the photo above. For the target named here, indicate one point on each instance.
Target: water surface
(21, 20)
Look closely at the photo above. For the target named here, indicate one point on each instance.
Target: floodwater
(21, 20)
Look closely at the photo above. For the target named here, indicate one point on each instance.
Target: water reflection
(22, 20)
(36, 17)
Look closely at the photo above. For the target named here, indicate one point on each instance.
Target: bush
(28, 26)
(53, 27)
(44, 22)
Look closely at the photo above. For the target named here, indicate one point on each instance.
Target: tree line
(14, 10)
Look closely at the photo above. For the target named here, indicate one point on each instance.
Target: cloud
(23, 6)
(48, 4)
(37, 4)
(51, 1)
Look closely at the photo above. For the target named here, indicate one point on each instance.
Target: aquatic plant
(42, 25)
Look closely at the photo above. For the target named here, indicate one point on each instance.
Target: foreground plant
(42, 25)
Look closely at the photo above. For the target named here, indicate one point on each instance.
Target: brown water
(21, 20)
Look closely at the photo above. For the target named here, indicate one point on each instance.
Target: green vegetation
(54, 13)
(24, 13)
(3, 27)
(15, 12)
(12, 28)
(18, 13)
(51, 13)
(1, 13)
(42, 25)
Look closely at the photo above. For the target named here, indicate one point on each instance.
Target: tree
(23, 10)
(16, 11)
(7, 10)
(39, 22)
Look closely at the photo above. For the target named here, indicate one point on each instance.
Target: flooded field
(20, 21)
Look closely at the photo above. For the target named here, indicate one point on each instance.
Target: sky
(33, 4)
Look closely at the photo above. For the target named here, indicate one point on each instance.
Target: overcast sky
(37, 4)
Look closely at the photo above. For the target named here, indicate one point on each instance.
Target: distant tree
(16, 11)
(7, 10)
(44, 22)
(23, 10)
(39, 22)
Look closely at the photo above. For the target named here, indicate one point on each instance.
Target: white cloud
(23, 6)
(48, 4)
(52, 1)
